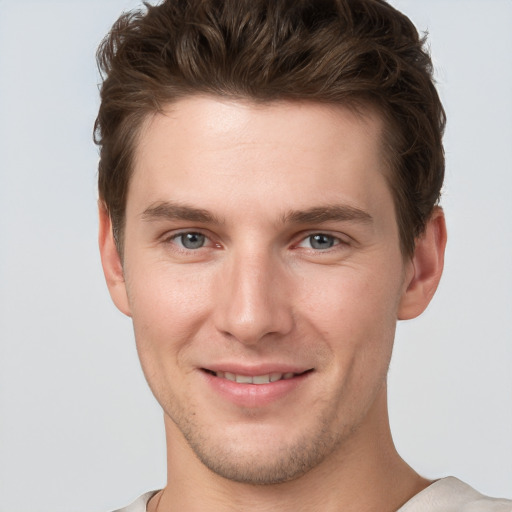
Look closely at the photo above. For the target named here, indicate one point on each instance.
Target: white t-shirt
(446, 495)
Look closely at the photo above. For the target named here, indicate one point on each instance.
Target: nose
(253, 301)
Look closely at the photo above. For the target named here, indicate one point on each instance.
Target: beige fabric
(446, 495)
(139, 505)
(451, 495)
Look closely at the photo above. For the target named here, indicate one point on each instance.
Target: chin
(261, 456)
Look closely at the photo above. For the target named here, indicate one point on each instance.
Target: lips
(266, 378)
(256, 386)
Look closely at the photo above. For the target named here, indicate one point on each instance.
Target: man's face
(264, 277)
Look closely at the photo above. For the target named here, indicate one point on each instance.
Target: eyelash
(174, 239)
(336, 241)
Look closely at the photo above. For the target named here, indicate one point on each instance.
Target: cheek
(168, 309)
(354, 311)
(351, 290)
(168, 305)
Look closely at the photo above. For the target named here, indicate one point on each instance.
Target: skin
(252, 186)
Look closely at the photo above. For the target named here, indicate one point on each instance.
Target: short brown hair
(351, 52)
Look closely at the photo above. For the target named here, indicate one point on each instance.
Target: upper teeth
(255, 379)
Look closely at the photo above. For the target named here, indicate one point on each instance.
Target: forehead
(226, 156)
(205, 139)
(212, 120)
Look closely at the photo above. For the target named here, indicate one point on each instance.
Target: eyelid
(336, 241)
(340, 239)
(171, 236)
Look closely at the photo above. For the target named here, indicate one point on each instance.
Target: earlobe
(111, 261)
(426, 268)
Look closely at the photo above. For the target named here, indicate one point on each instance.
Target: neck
(365, 474)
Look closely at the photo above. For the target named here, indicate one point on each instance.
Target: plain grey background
(79, 430)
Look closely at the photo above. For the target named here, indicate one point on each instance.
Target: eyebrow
(336, 213)
(174, 211)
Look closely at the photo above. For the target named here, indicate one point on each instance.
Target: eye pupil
(321, 241)
(192, 240)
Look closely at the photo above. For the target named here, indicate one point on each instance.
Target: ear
(111, 262)
(425, 268)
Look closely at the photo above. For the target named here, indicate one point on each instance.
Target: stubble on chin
(261, 462)
(286, 463)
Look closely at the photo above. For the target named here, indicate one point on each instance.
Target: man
(269, 182)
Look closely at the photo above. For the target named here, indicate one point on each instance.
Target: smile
(255, 379)
(255, 387)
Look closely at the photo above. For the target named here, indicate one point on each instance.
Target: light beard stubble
(290, 462)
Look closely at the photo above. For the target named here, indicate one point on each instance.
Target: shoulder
(139, 505)
(451, 495)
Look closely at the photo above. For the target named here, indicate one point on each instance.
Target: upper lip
(253, 370)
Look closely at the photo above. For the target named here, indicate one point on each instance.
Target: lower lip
(254, 395)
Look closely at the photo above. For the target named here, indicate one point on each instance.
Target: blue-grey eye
(192, 240)
(321, 241)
